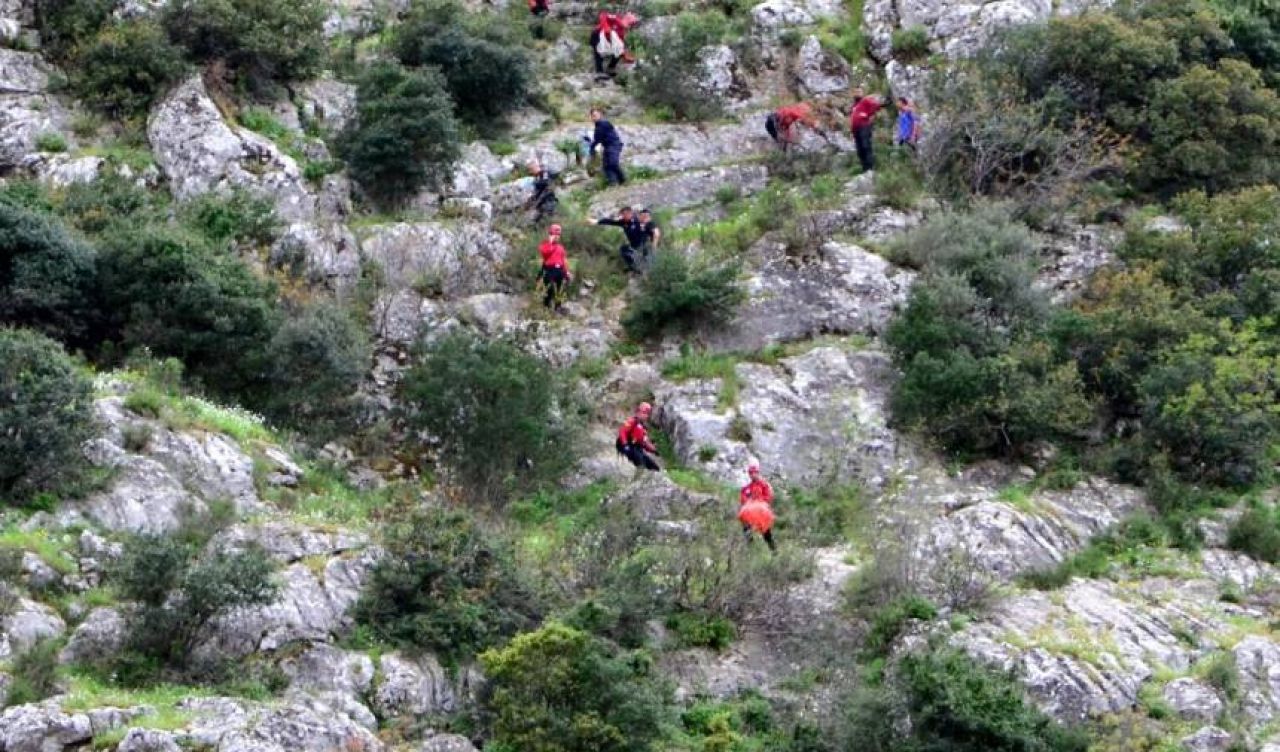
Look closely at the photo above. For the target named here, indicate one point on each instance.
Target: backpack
(611, 45)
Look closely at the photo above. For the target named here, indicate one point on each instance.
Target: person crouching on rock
(780, 123)
(636, 233)
(755, 507)
(633, 439)
(555, 270)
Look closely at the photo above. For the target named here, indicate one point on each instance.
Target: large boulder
(301, 723)
(99, 636)
(325, 254)
(327, 102)
(26, 623)
(1257, 660)
(27, 110)
(324, 668)
(1193, 700)
(200, 153)
(288, 541)
(42, 727)
(413, 687)
(821, 72)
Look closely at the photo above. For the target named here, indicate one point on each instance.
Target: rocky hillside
(343, 575)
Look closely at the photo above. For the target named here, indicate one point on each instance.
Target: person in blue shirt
(908, 132)
(606, 137)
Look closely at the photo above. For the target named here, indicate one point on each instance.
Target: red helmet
(644, 409)
(554, 229)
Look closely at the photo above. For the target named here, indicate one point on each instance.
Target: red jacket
(553, 255)
(863, 112)
(634, 432)
(757, 490)
(789, 116)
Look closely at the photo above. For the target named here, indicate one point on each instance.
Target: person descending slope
(779, 124)
(606, 137)
(609, 43)
(860, 122)
(544, 200)
(555, 270)
(633, 439)
(755, 507)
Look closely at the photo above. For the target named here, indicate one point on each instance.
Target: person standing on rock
(609, 42)
(780, 123)
(633, 439)
(637, 236)
(861, 122)
(610, 143)
(755, 507)
(555, 270)
(652, 235)
(908, 132)
(544, 199)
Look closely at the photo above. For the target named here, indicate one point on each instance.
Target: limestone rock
(62, 170)
(652, 496)
(101, 635)
(300, 724)
(720, 71)
(447, 743)
(324, 668)
(148, 740)
(26, 109)
(1258, 663)
(1208, 739)
(418, 686)
(287, 541)
(1072, 258)
(683, 191)
(42, 727)
(321, 253)
(199, 152)
(844, 290)
(22, 73)
(1193, 700)
(821, 72)
(25, 624)
(452, 261)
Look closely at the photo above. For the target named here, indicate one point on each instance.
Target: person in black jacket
(637, 236)
(606, 137)
(544, 199)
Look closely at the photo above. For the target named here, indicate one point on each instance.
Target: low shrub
(671, 80)
(1257, 533)
(446, 587)
(238, 218)
(503, 421)
(35, 673)
(701, 630)
(46, 413)
(910, 43)
(64, 24)
(264, 40)
(124, 68)
(179, 592)
(890, 621)
(404, 134)
(111, 199)
(681, 293)
(562, 690)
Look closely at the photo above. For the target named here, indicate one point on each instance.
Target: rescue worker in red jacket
(755, 506)
(539, 7)
(633, 439)
(555, 269)
(779, 124)
(861, 119)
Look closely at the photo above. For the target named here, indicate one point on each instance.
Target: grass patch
(51, 550)
(701, 365)
(1136, 543)
(135, 158)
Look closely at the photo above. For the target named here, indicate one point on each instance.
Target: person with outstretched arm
(633, 439)
(606, 138)
(638, 235)
(861, 120)
(780, 123)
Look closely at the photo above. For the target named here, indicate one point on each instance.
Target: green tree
(404, 135)
(680, 293)
(123, 68)
(446, 587)
(266, 40)
(561, 690)
(46, 413)
(504, 420)
(671, 79)
(316, 361)
(46, 276)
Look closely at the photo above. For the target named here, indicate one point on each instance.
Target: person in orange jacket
(555, 269)
(779, 123)
(633, 439)
(755, 506)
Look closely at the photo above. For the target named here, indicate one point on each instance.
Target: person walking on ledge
(610, 143)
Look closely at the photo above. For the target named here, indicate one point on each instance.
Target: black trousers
(771, 126)
(553, 280)
(637, 455)
(862, 140)
(613, 166)
(599, 59)
(768, 536)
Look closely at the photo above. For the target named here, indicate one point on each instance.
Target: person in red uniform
(780, 122)
(755, 507)
(539, 7)
(861, 119)
(633, 439)
(555, 269)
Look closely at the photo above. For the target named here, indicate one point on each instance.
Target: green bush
(265, 40)
(35, 673)
(953, 704)
(446, 587)
(681, 293)
(51, 142)
(46, 276)
(561, 690)
(110, 199)
(317, 359)
(404, 134)
(484, 66)
(701, 630)
(64, 24)
(1257, 533)
(125, 67)
(168, 290)
(910, 43)
(46, 413)
(178, 593)
(239, 218)
(671, 78)
(502, 418)
(890, 620)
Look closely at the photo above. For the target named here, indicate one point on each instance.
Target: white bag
(610, 45)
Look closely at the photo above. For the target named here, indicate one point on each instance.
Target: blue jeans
(613, 166)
